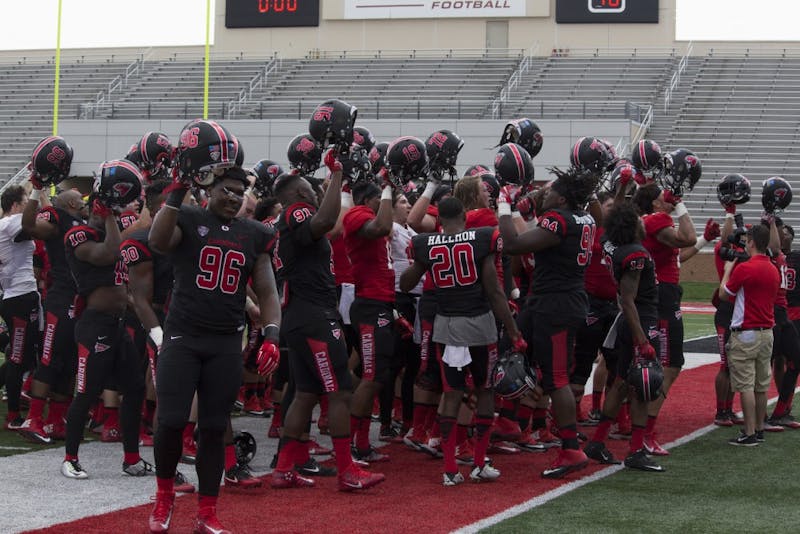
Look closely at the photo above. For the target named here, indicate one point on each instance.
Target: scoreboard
(606, 11)
(271, 13)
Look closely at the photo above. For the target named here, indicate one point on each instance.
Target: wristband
(175, 198)
(430, 189)
(730, 215)
(271, 332)
(515, 293)
(516, 215)
(157, 335)
(701, 242)
(503, 208)
(680, 210)
(386, 194)
(347, 199)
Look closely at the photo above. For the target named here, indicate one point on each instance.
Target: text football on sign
(424, 9)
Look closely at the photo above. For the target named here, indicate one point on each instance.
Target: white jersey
(16, 259)
(401, 240)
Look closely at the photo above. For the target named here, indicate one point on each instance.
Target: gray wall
(101, 140)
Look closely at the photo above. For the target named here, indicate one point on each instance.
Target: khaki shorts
(749, 353)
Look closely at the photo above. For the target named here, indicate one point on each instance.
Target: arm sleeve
(554, 222)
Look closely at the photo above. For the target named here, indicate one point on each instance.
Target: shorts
(210, 365)
(59, 355)
(477, 374)
(786, 339)
(670, 324)
(590, 337)
(317, 351)
(722, 324)
(553, 349)
(475, 331)
(429, 376)
(373, 320)
(21, 314)
(624, 347)
(749, 353)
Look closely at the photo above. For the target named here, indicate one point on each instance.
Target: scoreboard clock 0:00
(271, 13)
(606, 11)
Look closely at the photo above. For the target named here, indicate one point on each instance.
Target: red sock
(431, 420)
(597, 398)
(637, 438)
(132, 458)
(188, 431)
(720, 405)
(323, 406)
(206, 505)
(277, 417)
(461, 434)
(355, 426)
(420, 414)
(70, 457)
(603, 428)
(287, 454)
(524, 417)
(435, 430)
(362, 438)
(651, 425)
(230, 456)
(397, 408)
(341, 446)
(55, 415)
(482, 426)
(449, 444)
(36, 408)
(166, 485)
(780, 408)
(302, 455)
(112, 421)
(624, 413)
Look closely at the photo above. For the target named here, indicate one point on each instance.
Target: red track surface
(412, 498)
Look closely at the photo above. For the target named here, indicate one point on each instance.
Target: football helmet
(245, 447)
(647, 156)
(682, 170)
(204, 147)
(512, 377)
(478, 170)
(406, 159)
(620, 171)
(304, 154)
(265, 171)
(118, 183)
(525, 133)
(356, 164)
(590, 154)
(733, 189)
(51, 159)
(646, 378)
(377, 156)
(513, 165)
(443, 147)
(332, 124)
(363, 138)
(776, 194)
(153, 154)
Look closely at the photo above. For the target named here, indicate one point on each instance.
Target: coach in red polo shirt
(754, 286)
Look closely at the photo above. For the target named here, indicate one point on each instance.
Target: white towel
(347, 298)
(456, 356)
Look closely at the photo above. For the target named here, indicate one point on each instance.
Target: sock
(420, 415)
(55, 415)
(132, 458)
(431, 425)
(112, 421)
(397, 408)
(780, 408)
(637, 438)
(461, 433)
(508, 409)
(524, 414)
(99, 411)
(302, 455)
(720, 405)
(355, 426)
(230, 456)
(36, 408)
(539, 420)
(603, 428)
(569, 436)
(435, 430)
(624, 415)
(729, 405)
(651, 425)
(277, 417)
(597, 398)
(206, 505)
(482, 426)
(448, 443)
(341, 447)
(287, 455)
(250, 389)
(166, 485)
(362, 438)
(70, 457)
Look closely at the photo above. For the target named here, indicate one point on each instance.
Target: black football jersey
(89, 277)
(303, 265)
(455, 264)
(135, 250)
(61, 280)
(212, 265)
(792, 270)
(557, 288)
(634, 257)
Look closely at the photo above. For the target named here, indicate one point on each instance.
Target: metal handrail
(644, 126)
(514, 79)
(614, 52)
(258, 81)
(316, 53)
(17, 179)
(114, 85)
(676, 77)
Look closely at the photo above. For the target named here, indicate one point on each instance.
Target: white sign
(423, 9)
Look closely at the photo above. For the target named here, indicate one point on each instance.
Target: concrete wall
(97, 141)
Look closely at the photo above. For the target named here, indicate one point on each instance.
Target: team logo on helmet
(121, 188)
(305, 145)
(323, 113)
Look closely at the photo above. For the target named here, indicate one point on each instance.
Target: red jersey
(371, 258)
(597, 279)
(780, 263)
(427, 282)
(755, 285)
(665, 258)
(342, 268)
(485, 217)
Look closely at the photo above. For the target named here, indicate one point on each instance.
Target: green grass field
(709, 486)
(697, 325)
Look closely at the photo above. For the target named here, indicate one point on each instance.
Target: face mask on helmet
(443, 147)
(155, 153)
(646, 156)
(512, 377)
(331, 124)
(646, 379)
(776, 194)
(733, 189)
(51, 160)
(118, 183)
(682, 171)
(205, 146)
(590, 154)
(525, 133)
(513, 165)
(356, 165)
(304, 154)
(265, 171)
(406, 159)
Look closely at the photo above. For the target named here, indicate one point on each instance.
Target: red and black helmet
(332, 123)
(489, 180)
(51, 160)
(590, 154)
(265, 171)
(205, 146)
(512, 377)
(356, 165)
(304, 154)
(776, 194)
(525, 133)
(118, 183)
(682, 171)
(406, 159)
(153, 154)
(443, 147)
(646, 379)
(363, 138)
(513, 165)
(733, 189)
(646, 156)
(377, 156)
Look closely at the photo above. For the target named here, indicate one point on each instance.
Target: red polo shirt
(755, 285)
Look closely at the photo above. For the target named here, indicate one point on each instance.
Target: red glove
(525, 208)
(644, 352)
(269, 356)
(403, 326)
(514, 307)
(332, 162)
(509, 194)
(730, 208)
(383, 175)
(100, 209)
(36, 180)
(519, 344)
(671, 198)
(641, 179)
(625, 175)
(712, 230)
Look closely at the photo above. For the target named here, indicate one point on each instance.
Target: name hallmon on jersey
(442, 239)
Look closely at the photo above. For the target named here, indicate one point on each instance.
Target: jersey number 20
(454, 266)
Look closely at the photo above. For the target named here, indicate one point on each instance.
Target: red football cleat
(189, 455)
(506, 429)
(355, 478)
(207, 523)
(252, 406)
(111, 434)
(162, 512)
(653, 447)
(315, 449)
(567, 461)
(33, 430)
(289, 479)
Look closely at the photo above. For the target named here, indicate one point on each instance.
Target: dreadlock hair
(468, 191)
(644, 197)
(623, 225)
(576, 186)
